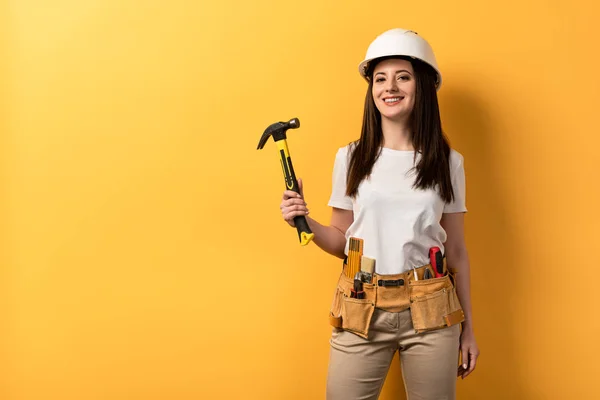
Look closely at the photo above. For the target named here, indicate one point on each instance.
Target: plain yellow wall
(143, 253)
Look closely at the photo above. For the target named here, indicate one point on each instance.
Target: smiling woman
(399, 192)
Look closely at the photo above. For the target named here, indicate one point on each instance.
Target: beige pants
(429, 361)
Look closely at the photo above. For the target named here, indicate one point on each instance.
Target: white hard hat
(400, 42)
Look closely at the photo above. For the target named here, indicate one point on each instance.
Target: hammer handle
(305, 235)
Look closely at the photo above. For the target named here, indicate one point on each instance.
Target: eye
(380, 79)
(404, 77)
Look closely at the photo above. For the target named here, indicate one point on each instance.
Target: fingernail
(465, 366)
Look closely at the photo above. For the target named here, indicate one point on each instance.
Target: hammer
(277, 130)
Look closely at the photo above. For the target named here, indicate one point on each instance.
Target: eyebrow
(401, 70)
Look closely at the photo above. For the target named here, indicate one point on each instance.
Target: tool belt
(433, 302)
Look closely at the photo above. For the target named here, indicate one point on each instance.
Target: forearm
(460, 262)
(328, 238)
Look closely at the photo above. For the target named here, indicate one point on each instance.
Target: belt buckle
(390, 283)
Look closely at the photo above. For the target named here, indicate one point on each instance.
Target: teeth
(393, 99)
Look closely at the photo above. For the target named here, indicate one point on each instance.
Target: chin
(397, 116)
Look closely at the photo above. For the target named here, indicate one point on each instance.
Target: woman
(400, 189)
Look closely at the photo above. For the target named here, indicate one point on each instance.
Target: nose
(391, 85)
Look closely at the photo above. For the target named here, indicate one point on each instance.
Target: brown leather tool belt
(433, 302)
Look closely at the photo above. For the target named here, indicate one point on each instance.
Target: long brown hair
(427, 137)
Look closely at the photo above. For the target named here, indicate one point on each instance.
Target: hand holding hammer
(293, 205)
(277, 131)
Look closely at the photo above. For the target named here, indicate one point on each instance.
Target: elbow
(456, 254)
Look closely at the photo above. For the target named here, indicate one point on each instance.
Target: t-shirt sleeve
(457, 176)
(338, 198)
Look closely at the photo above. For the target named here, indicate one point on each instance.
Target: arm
(457, 257)
(332, 238)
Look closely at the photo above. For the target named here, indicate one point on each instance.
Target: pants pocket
(356, 315)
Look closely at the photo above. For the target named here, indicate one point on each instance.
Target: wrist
(467, 326)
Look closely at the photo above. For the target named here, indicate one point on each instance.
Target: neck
(396, 134)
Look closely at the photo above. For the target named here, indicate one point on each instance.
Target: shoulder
(343, 153)
(456, 160)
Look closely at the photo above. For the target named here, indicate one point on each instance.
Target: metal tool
(357, 291)
(277, 131)
(367, 267)
(427, 274)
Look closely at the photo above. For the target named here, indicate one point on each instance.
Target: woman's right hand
(293, 205)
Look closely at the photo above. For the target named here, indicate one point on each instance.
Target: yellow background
(143, 254)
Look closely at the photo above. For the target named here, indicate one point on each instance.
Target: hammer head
(277, 130)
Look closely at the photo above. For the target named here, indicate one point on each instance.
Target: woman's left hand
(469, 352)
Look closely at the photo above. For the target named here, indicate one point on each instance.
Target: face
(394, 88)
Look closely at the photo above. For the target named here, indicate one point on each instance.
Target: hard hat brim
(364, 66)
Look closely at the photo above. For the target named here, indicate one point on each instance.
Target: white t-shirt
(399, 224)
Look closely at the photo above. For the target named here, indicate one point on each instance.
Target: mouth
(393, 100)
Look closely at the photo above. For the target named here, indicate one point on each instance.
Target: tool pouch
(351, 314)
(434, 304)
(356, 315)
(392, 293)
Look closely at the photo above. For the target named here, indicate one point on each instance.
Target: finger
(291, 215)
(300, 210)
(290, 194)
(465, 357)
(465, 363)
(289, 218)
(294, 207)
(472, 360)
(293, 202)
(472, 363)
(300, 187)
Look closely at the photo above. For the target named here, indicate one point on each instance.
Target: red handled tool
(437, 261)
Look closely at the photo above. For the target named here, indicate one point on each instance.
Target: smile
(393, 100)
